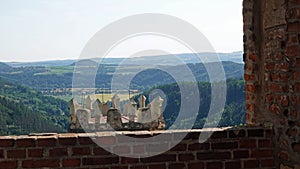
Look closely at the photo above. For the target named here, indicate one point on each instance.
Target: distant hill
(61, 76)
(4, 67)
(51, 63)
(23, 110)
(236, 57)
(186, 58)
(85, 62)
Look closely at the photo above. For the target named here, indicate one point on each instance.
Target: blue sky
(33, 30)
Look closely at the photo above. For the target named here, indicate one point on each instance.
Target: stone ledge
(232, 130)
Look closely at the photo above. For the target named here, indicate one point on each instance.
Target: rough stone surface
(272, 62)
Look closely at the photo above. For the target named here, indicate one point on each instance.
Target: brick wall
(227, 148)
(272, 72)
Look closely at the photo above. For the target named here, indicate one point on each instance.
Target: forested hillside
(23, 110)
(234, 111)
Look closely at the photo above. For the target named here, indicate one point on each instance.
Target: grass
(58, 70)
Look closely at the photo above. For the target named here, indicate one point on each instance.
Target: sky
(37, 30)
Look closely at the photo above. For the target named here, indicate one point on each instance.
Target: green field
(58, 70)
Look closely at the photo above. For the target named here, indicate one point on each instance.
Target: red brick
(233, 165)
(159, 158)
(296, 147)
(179, 147)
(124, 139)
(75, 162)
(292, 132)
(268, 133)
(267, 76)
(279, 77)
(265, 144)
(283, 155)
(1, 153)
(278, 56)
(49, 142)
(157, 166)
(269, 66)
(250, 88)
(117, 167)
(294, 2)
(199, 146)
(137, 167)
(40, 163)
(214, 165)
(292, 38)
(85, 141)
(35, 152)
(284, 100)
(126, 160)
(25, 143)
(274, 108)
(256, 132)
(292, 50)
(189, 136)
(251, 164)
(261, 153)
(253, 57)
(67, 141)
(267, 163)
(270, 98)
(293, 114)
(16, 153)
(156, 147)
(213, 155)
(100, 151)
(138, 149)
(8, 164)
(186, 157)
(293, 27)
(285, 67)
(249, 77)
(107, 140)
(249, 68)
(293, 13)
(241, 154)
(219, 134)
(249, 117)
(237, 134)
(296, 75)
(282, 121)
(297, 87)
(251, 143)
(176, 166)
(7, 142)
(56, 152)
(224, 145)
(275, 88)
(100, 160)
(121, 150)
(81, 151)
(196, 165)
(250, 107)
(297, 62)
